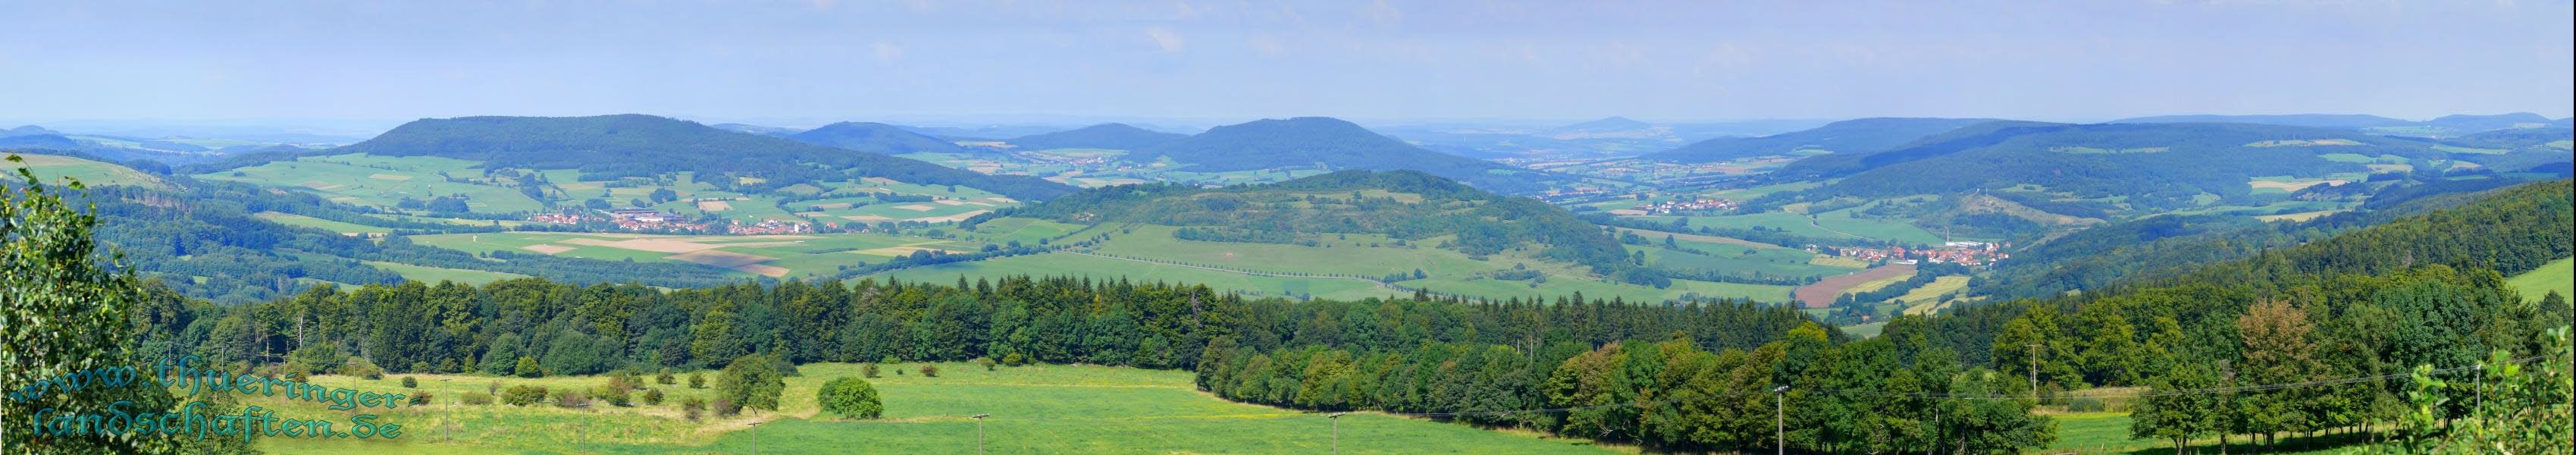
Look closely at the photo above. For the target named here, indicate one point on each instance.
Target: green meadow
(385, 181)
(53, 168)
(1034, 409)
(745, 255)
(2556, 276)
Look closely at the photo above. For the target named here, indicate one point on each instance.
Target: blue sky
(808, 61)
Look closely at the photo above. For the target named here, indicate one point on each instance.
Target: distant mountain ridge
(2312, 120)
(1856, 136)
(877, 138)
(1330, 143)
(1116, 136)
(612, 146)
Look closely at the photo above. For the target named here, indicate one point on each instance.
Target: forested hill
(1115, 136)
(2161, 248)
(1328, 143)
(1856, 136)
(1406, 205)
(2348, 121)
(875, 137)
(2512, 231)
(2151, 166)
(612, 146)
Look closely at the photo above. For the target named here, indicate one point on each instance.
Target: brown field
(949, 202)
(547, 249)
(951, 218)
(763, 270)
(1822, 293)
(714, 206)
(719, 258)
(915, 207)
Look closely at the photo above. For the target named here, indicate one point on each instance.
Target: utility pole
(755, 440)
(979, 432)
(1337, 430)
(2481, 387)
(2033, 361)
(1780, 420)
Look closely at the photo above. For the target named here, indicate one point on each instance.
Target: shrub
(869, 370)
(410, 383)
(930, 371)
(2086, 404)
(653, 397)
(752, 381)
(493, 388)
(693, 406)
(1015, 359)
(616, 396)
(528, 368)
(360, 367)
(697, 380)
(850, 397)
(572, 399)
(727, 407)
(476, 398)
(523, 395)
(420, 397)
(987, 362)
(665, 378)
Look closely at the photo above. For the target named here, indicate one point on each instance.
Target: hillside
(875, 137)
(2147, 166)
(1333, 144)
(2347, 121)
(1857, 136)
(1401, 205)
(630, 145)
(1114, 136)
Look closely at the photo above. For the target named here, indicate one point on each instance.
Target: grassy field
(343, 228)
(2558, 276)
(1835, 224)
(384, 181)
(1925, 300)
(747, 255)
(1035, 409)
(52, 168)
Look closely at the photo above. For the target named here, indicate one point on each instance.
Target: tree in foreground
(850, 397)
(64, 311)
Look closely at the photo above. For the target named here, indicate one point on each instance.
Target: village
(1962, 253)
(656, 220)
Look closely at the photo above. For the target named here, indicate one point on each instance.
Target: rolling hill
(2347, 121)
(2145, 164)
(613, 146)
(876, 137)
(1114, 136)
(1333, 144)
(1857, 136)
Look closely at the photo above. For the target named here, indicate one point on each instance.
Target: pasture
(385, 181)
(344, 228)
(53, 168)
(1035, 409)
(2556, 276)
(748, 255)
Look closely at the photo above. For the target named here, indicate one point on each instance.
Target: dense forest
(1333, 144)
(1851, 137)
(615, 146)
(1406, 205)
(1114, 136)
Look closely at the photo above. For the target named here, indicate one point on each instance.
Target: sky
(807, 62)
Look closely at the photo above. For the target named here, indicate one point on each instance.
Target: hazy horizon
(806, 63)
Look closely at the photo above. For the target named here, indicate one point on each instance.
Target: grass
(2556, 276)
(799, 255)
(53, 168)
(429, 274)
(1843, 223)
(1068, 264)
(384, 181)
(344, 228)
(1925, 299)
(1035, 409)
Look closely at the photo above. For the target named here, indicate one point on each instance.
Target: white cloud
(1171, 42)
(888, 52)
